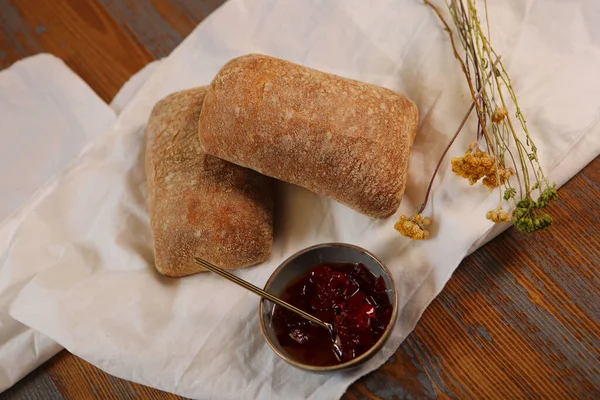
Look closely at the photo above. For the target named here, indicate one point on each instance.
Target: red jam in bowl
(347, 295)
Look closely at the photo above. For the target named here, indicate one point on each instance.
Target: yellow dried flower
(413, 227)
(494, 124)
(498, 215)
(473, 165)
(498, 177)
(479, 164)
(499, 114)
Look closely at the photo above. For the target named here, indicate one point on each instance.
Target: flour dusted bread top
(199, 205)
(338, 137)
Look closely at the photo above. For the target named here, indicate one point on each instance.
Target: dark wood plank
(78, 379)
(150, 26)
(35, 386)
(519, 319)
(17, 38)
(82, 33)
(198, 9)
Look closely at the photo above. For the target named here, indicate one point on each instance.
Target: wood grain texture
(520, 318)
(77, 379)
(36, 386)
(84, 34)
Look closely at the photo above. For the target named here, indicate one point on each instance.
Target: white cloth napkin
(47, 116)
(99, 295)
(132, 86)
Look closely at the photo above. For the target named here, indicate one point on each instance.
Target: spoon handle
(266, 295)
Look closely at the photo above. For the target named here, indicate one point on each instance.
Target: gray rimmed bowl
(298, 265)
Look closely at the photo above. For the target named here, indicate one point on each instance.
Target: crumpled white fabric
(132, 86)
(99, 295)
(47, 117)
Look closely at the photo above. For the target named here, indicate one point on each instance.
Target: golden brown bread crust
(338, 137)
(200, 205)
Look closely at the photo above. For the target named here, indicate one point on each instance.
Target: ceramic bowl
(298, 265)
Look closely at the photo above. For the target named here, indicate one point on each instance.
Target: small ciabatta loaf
(341, 138)
(199, 205)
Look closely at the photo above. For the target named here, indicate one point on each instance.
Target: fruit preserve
(347, 295)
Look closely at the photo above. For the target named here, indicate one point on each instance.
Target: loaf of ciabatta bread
(338, 137)
(200, 205)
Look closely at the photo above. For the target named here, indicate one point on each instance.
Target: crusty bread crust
(338, 137)
(200, 205)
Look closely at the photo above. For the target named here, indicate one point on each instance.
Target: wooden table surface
(520, 318)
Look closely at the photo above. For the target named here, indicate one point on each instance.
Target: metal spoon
(268, 296)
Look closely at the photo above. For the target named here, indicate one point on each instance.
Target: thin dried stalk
(491, 90)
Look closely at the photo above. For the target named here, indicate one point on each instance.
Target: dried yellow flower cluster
(473, 165)
(478, 164)
(493, 96)
(499, 114)
(496, 179)
(498, 215)
(413, 227)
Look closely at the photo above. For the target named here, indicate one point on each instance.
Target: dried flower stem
(494, 124)
(464, 68)
(437, 167)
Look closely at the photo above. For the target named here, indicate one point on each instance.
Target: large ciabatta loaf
(200, 205)
(338, 137)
